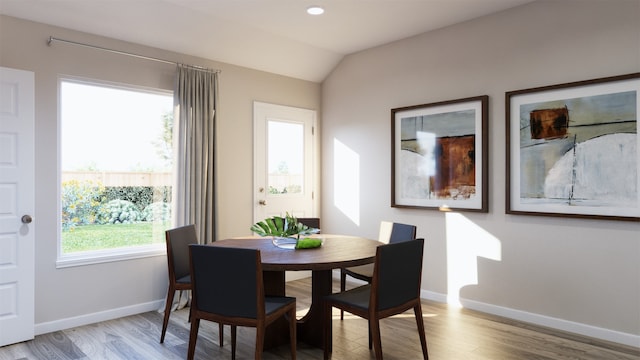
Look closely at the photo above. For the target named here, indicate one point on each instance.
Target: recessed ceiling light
(315, 10)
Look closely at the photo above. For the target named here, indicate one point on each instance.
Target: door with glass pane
(284, 161)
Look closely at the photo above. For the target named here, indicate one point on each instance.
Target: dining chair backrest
(243, 295)
(397, 274)
(402, 232)
(178, 241)
(310, 222)
(393, 232)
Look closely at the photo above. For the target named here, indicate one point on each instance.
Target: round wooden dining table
(337, 251)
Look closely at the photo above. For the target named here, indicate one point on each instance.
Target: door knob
(262, 202)
(26, 219)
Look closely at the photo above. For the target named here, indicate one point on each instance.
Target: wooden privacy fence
(279, 181)
(120, 178)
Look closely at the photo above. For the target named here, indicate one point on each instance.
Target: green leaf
(260, 228)
(273, 229)
(279, 222)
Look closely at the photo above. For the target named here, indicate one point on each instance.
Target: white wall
(574, 274)
(72, 296)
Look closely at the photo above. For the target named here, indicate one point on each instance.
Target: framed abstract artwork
(439, 155)
(572, 149)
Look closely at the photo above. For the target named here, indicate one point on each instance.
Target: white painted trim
(433, 296)
(555, 323)
(110, 255)
(542, 320)
(86, 319)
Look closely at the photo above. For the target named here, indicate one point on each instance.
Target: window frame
(83, 258)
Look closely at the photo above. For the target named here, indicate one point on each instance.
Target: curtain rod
(52, 39)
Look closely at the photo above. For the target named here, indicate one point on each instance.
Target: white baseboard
(537, 319)
(542, 320)
(433, 296)
(63, 324)
(68, 323)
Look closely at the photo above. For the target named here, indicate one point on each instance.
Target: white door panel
(283, 161)
(17, 204)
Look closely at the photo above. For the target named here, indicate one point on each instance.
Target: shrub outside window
(116, 171)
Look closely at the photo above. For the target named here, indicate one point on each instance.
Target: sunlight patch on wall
(466, 241)
(346, 180)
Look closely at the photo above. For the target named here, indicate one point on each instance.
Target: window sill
(104, 256)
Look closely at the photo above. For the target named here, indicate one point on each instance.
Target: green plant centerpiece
(286, 232)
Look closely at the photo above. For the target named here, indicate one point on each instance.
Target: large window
(116, 178)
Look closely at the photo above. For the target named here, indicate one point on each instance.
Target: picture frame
(572, 150)
(439, 155)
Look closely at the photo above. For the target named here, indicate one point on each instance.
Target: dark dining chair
(399, 232)
(394, 289)
(310, 222)
(228, 288)
(178, 241)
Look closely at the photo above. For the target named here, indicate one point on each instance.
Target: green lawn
(98, 237)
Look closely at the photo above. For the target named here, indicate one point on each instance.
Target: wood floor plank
(452, 334)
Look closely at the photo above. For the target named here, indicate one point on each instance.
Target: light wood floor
(452, 334)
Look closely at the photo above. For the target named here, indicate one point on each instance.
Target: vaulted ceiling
(277, 36)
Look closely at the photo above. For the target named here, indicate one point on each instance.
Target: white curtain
(194, 197)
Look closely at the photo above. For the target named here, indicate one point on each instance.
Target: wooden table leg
(310, 327)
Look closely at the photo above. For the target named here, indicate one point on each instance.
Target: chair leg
(375, 333)
(193, 337)
(370, 342)
(167, 311)
(233, 342)
(221, 332)
(292, 332)
(328, 331)
(259, 341)
(343, 287)
(420, 322)
(189, 304)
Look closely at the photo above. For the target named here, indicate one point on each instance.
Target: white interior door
(284, 165)
(17, 204)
